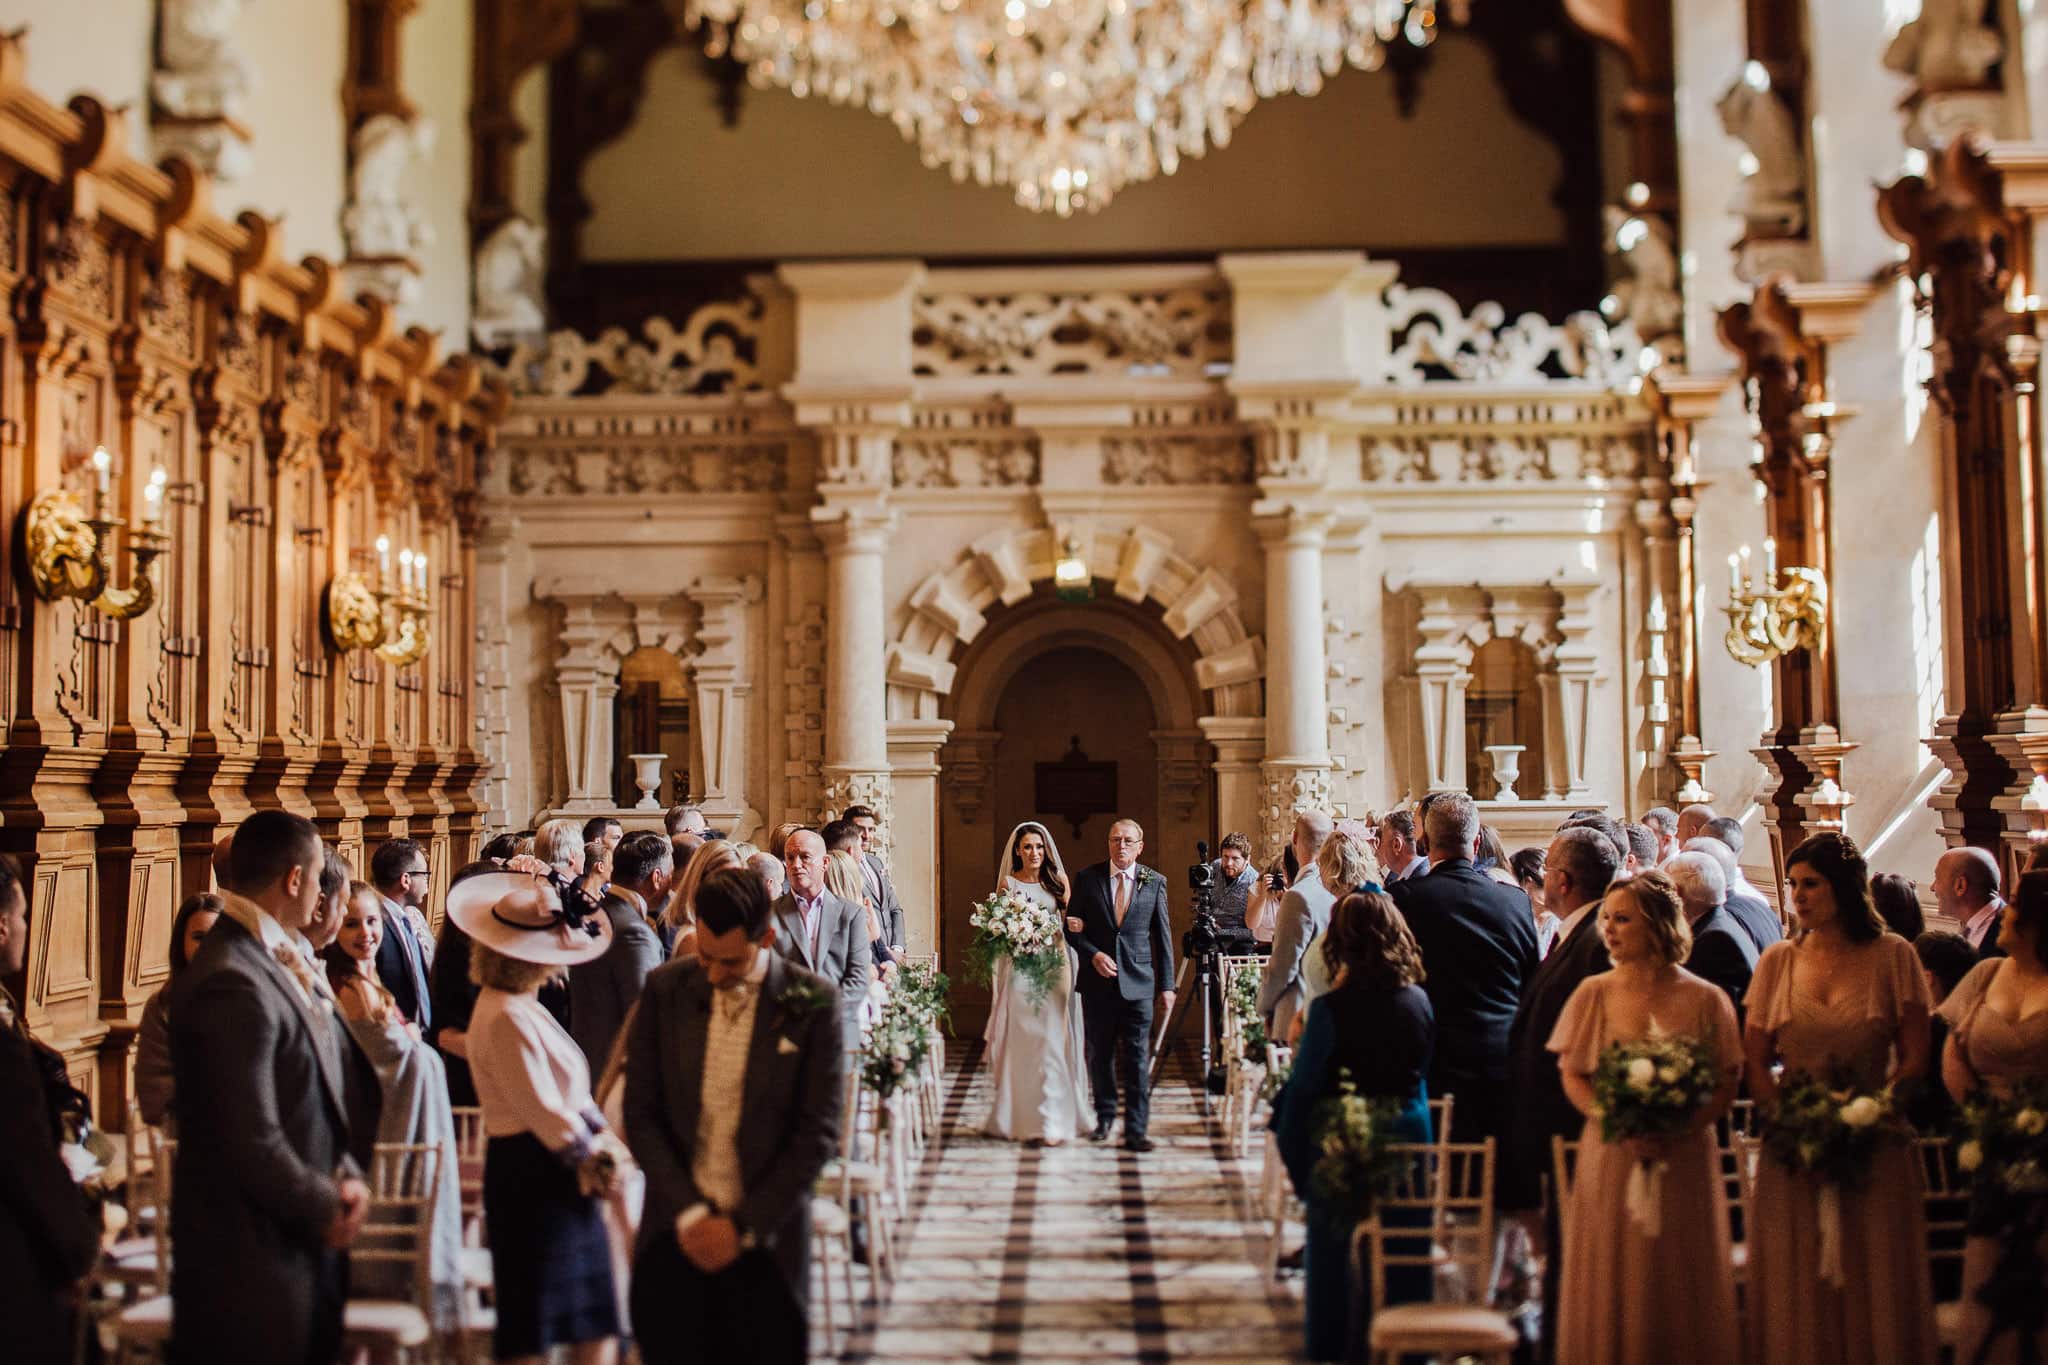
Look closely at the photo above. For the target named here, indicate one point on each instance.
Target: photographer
(1234, 880)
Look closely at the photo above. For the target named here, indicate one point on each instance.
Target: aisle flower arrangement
(2002, 1145)
(896, 1048)
(921, 988)
(1242, 1001)
(1651, 1088)
(1353, 1137)
(1028, 933)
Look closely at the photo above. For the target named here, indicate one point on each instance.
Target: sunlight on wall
(1928, 664)
(1898, 12)
(1916, 345)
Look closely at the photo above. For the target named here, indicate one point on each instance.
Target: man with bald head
(823, 933)
(1966, 889)
(1693, 822)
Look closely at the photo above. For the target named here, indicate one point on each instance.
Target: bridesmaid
(1998, 1016)
(1620, 1300)
(1845, 996)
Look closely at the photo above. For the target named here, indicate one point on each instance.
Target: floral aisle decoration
(922, 989)
(2002, 1146)
(1355, 1163)
(1029, 934)
(1830, 1134)
(895, 1049)
(1651, 1088)
(1243, 1003)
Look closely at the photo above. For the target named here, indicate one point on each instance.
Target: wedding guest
(684, 846)
(47, 1235)
(681, 920)
(155, 1082)
(1527, 865)
(1729, 831)
(597, 866)
(1262, 907)
(548, 1151)
(768, 868)
(1304, 911)
(1609, 828)
(1945, 959)
(1397, 851)
(1898, 904)
(1756, 917)
(455, 994)
(1345, 861)
(1233, 879)
(843, 879)
(1721, 949)
(1693, 821)
(1998, 1020)
(778, 841)
(1642, 847)
(266, 1197)
(1619, 1299)
(686, 818)
(880, 889)
(824, 933)
(414, 1094)
(405, 961)
(1374, 1029)
(1966, 886)
(500, 848)
(603, 829)
(1493, 856)
(559, 844)
(1662, 821)
(1846, 1003)
(602, 992)
(732, 1134)
(1478, 941)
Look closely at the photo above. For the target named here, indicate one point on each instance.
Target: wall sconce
(71, 554)
(1070, 576)
(390, 623)
(1775, 619)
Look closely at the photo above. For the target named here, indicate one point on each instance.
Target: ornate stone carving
(200, 86)
(713, 352)
(1772, 200)
(874, 790)
(1181, 331)
(803, 671)
(1286, 791)
(1947, 47)
(1185, 459)
(544, 473)
(1436, 339)
(723, 683)
(510, 303)
(1646, 296)
(383, 221)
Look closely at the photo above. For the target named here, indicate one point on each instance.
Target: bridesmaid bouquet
(1030, 934)
(1354, 1166)
(2002, 1144)
(1831, 1133)
(1651, 1088)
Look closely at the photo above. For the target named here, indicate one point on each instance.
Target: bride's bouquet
(1029, 933)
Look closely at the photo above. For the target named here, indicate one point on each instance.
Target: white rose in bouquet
(1862, 1111)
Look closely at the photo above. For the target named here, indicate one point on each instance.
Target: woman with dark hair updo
(1374, 1028)
(154, 1084)
(1998, 1039)
(1845, 1001)
(1618, 1303)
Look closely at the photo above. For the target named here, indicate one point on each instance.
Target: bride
(1035, 1045)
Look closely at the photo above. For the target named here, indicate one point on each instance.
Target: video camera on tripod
(1199, 949)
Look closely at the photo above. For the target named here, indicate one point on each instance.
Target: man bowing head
(732, 1108)
(1117, 922)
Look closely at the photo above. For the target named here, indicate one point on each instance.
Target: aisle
(1083, 1252)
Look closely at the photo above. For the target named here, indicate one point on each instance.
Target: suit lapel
(789, 922)
(327, 1053)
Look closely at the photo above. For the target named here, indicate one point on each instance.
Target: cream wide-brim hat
(519, 915)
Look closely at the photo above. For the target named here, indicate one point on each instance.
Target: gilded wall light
(391, 623)
(1782, 615)
(71, 554)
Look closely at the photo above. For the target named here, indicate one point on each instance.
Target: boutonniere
(1145, 877)
(800, 998)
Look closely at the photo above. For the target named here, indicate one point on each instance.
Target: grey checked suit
(843, 956)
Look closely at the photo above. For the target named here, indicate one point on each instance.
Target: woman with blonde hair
(680, 917)
(1346, 864)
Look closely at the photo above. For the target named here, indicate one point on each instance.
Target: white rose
(1668, 1074)
(1861, 1112)
(1970, 1155)
(2029, 1122)
(1642, 1073)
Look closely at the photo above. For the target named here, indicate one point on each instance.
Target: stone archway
(967, 629)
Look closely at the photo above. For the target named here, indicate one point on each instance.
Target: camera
(1202, 938)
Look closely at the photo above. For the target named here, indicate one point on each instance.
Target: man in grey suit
(602, 992)
(732, 1107)
(266, 1197)
(823, 933)
(1303, 915)
(1119, 922)
(887, 906)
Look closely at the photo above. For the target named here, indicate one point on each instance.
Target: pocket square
(784, 1047)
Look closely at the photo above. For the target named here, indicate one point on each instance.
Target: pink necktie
(1123, 896)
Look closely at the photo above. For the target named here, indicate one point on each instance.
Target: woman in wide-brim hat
(550, 1157)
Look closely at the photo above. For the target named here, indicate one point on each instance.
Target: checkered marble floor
(1083, 1252)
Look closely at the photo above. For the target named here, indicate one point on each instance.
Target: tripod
(1178, 1018)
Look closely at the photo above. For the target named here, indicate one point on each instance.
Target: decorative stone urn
(1507, 766)
(647, 777)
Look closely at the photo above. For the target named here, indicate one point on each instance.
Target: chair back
(1564, 1169)
(1440, 1117)
(163, 1161)
(1438, 1217)
(470, 1142)
(1945, 1194)
(398, 1229)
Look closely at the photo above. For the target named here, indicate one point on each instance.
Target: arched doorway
(1055, 703)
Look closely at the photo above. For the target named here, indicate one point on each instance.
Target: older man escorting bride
(1034, 1035)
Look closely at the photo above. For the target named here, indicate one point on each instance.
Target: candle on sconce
(405, 570)
(102, 469)
(1734, 576)
(1747, 578)
(152, 504)
(419, 565)
(383, 561)
(1771, 560)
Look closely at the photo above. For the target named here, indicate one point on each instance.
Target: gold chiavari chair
(397, 1234)
(1447, 1190)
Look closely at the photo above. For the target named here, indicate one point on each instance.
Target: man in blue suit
(1125, 940)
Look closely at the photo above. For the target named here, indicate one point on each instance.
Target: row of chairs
(881, 1142)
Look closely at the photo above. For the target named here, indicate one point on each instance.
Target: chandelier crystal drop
(1065, 101)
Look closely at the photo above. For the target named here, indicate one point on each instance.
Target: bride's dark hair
(1048, 874)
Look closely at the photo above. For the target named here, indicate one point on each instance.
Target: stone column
(1240, 742)
(722, 676)
(856, 670)
(914, 833)
(1297, 764)
(1577, 663)
(587, 677)
(1443, 659)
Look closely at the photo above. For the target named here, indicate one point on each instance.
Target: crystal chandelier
(1066, 101)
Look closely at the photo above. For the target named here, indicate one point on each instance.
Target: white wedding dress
(1036, 1051)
